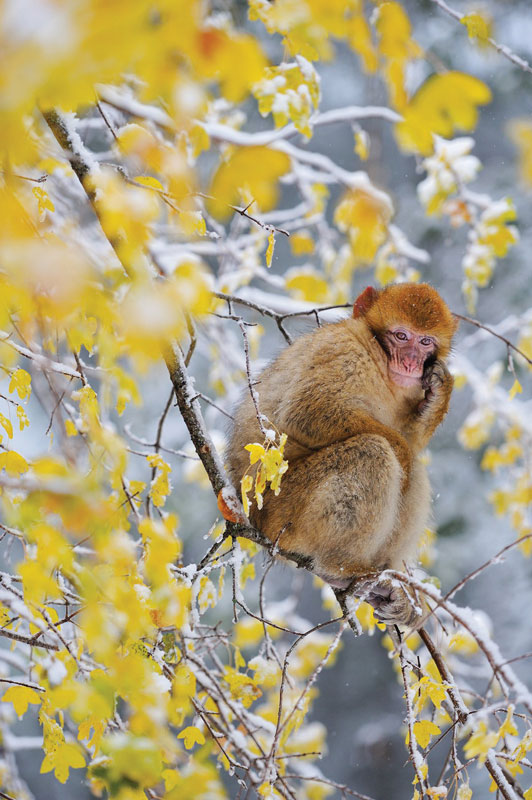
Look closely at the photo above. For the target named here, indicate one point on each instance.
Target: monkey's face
(408, 351)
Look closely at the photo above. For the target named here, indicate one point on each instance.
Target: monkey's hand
(436, 381)
(392, 603)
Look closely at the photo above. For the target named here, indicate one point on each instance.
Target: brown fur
(355, 497)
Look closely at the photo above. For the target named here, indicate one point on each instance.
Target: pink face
(407, 352)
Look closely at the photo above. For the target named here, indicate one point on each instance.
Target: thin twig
(478, 324)
(500, 48)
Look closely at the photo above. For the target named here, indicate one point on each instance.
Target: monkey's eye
(426, 341)
(401, 335)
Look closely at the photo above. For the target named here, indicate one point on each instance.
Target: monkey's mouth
(405, 379)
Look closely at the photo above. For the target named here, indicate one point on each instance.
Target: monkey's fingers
(397, 607)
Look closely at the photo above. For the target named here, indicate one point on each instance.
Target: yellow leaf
(424, 730)
(444, 104)
(364, 216)
(393, 28)
(508, 727)
(359, 37)
(13, 463)
(478, 26)
(192, 223)
(21, 696)
(7, 425)
(249, 174)
(520, 131)
(151, 183)
(268, 792)
(97, 726)
(70, 428)
(171, 778)
(199, 139)
(256, 451)
(246, 485)
(61, 760)
(464, 792)
(362, 145)
(306, 283)
(248, 632)
(301, 243)
(516, 389)
(480, 743)
(269, 251)
(23, 421)
(21, 382)
(191, 736)
(247, 573)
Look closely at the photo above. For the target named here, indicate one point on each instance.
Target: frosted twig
(415, 756)
(506, 341)
(500, 48)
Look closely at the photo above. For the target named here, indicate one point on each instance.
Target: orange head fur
(417, 306)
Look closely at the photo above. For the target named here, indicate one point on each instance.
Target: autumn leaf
(249, 173)
(150, 182)
(478, 26)
(67, 756)
(21, 697)
(21, 383)
(256, 452)
(306, 283)
(7, 425)
(191, 736)
(270, 248)
(13, 463)
(444, 104)
(424, 730)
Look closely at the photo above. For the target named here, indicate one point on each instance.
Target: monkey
(359, 401)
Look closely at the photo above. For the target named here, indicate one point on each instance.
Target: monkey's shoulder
(336, 354)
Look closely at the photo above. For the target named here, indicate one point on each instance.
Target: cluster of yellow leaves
(451, 162)
(188, 54)
(477, 428)
(270, 470)
(289, 92)
(443, 104)
(482, 740)
(490, 238)
(391, 267)
(509, 460)
(516, 501)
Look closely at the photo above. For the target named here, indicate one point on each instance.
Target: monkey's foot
(392, 604)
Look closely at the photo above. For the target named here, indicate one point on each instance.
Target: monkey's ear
(364, 301)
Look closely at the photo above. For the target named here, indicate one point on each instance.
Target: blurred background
(360, 699)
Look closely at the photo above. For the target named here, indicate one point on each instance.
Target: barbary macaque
(359, 400)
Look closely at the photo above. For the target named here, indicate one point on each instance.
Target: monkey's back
(309, 389)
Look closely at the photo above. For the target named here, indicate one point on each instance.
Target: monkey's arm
(438, 384)
(339, 425)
